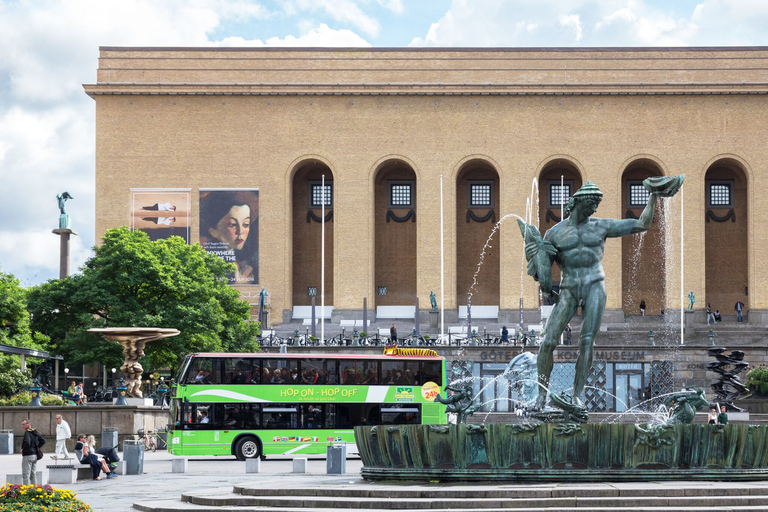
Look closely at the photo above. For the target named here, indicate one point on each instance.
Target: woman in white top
(712, 416)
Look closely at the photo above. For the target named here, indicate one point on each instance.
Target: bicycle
(150, 441)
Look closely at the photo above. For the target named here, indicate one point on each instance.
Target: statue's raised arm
(663, 186)
(62, 200)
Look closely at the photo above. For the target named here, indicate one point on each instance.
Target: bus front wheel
(247, 448)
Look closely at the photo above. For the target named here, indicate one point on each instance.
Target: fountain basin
(552, 452)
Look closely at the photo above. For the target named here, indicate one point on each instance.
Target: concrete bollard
(179, 465)
(120, 467)
(299, 465)
(15, 479)
(64, 474)
(253, 465)
(6, 442)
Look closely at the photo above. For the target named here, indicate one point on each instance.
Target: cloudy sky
(48, 49)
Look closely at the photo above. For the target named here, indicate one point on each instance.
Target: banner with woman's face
(229, 228)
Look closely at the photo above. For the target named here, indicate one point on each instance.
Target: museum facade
(253, 152)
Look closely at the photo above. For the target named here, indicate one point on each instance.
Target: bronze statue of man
(576, 245)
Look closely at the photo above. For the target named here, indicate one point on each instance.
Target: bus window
(180, 372)
(250, 416)
(312, 416)
(198, 417)
(237, 371)
(400, 414)
(330, 416)
(368, 372)
(204, 371)
(431, 372)
(176, 412)
(281, 371)
(280, 416)
(256, 372)
(392, 372)
(350, 415)
(348, 370)
(318, 371)
(236, 416)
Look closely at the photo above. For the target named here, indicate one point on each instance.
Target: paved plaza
(216, 477)
(215, 473)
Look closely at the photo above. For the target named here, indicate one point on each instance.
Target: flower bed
(35, 498)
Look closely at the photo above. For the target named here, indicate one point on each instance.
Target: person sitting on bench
(86, 456)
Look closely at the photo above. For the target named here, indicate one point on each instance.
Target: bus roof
(313, 356)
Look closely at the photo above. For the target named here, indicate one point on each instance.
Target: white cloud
(343, 11)
(396, 6)
(39, 251)
(548, 23)
(321, 35)
(572, 21)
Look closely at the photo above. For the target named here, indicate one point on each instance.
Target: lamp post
(121, 393)
(35, 390)
(650, 339)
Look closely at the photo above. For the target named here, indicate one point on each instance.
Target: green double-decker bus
(252, 405)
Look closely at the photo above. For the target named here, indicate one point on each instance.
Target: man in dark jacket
(29, 446)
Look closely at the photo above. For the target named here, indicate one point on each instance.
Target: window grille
(316, 195)
(638, 195)
(480, 195)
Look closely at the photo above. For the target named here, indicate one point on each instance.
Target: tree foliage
(15, 330)
(132, 281)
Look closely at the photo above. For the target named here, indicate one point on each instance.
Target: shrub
(757, 380)
(37, 498)
(24, 398)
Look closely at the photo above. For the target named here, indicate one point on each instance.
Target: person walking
(569, 334)
(29, 447)
(642, 308)
(63, 433)
(393, 334)
(504, 335)
(739, 307)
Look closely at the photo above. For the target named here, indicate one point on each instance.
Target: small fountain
(133, 340)
(562, 446)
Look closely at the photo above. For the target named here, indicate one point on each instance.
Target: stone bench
(480, 312)
(302, 312)
(395, 312)
(351, 323)
(15, 478)
(66, 474)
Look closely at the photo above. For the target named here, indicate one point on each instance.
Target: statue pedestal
(434, 319)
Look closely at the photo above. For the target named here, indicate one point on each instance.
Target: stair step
(178, 506)
(399, 503)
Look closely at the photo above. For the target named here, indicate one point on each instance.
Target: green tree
(14, 330)
(132, 281)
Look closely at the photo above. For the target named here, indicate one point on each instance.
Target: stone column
(64, 251)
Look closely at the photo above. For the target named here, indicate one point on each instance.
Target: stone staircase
(352, 493)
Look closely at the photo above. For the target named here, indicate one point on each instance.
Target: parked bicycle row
(341, 340)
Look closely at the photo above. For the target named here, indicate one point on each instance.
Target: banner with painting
(229, 228)
(161, 213)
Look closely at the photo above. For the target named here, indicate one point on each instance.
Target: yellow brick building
(387, 127)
